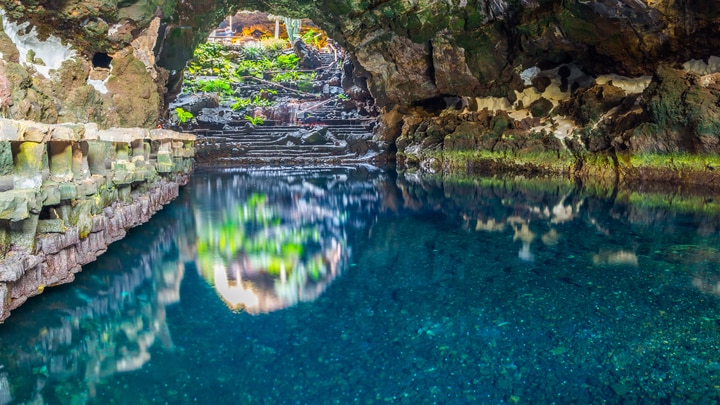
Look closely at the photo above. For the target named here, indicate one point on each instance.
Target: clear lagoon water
(355, 285)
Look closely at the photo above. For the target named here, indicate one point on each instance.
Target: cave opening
(269, 76)
(101, 60)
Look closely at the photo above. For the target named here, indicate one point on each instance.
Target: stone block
(12, 268)
(68, 191)
(4, 238)
(123, 165)
(60, 161)
(122, 177)
(161, 134)
(29, 285)
(124, 193)
(51, 226)
(78, 130)
(53, 243)
(141, 175)
(80, 165)
(15, 205)
(91, 131)
(7, 182)
(6, 159)
(64, 133)
(124, 135)
(4, 300)
(81, 216)
(29, 158)
(98, 223)
(165, 162)
(100, 154)
(86, 188)
(50, 193)
(138, 161)
(122, 151)
(56, 268)
(9, 130)
(22, 233)
(35, 131)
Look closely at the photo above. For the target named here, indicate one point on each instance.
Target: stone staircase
(320, 131)
(335, 143)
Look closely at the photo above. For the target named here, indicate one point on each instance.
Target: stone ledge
(71, 190)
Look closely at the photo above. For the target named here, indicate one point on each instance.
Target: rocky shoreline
(663, 129)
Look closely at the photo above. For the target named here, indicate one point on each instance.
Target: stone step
(307, 155)
(261, 136)
(252, 160)
(291, 148)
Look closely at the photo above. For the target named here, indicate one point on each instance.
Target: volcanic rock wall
(68, 191)
(586, 81)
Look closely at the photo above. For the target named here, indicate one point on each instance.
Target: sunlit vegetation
(183, 116)
(221, 70)
(261, 99)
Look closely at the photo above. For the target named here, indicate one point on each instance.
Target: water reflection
(514, 286)
(64, 343)
(625, 226)
(270, 238)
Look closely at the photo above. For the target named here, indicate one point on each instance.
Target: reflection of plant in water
(263, 255)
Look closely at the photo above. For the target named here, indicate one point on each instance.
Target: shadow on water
(359, 285)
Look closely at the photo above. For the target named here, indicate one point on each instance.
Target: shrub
(253, 51)
(221, 86)
(183, 116)
(287, 61)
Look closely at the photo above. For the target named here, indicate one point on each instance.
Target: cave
(101, 60)
(464, 202)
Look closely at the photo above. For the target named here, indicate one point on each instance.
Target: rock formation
(582, 85)
(69, 191)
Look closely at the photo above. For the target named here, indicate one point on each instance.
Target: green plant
(258, 100)
(240, 103)
(293, 76)
(311, 37)
(209, 59)
(215, 86)
(305, 86)
(274, 44)
(342, 96)
(288, 62)
(253, 67)
(183, 116)
(255, 121)
(253, 50)
(292, 26)
(289, 76)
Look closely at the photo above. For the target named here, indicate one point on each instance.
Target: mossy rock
(464, 137)
(666, 104)
(6, 159)
(541, 107)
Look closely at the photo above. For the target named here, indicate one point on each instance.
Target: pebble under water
(355, 285)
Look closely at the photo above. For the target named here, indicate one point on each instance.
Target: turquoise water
(363, 286)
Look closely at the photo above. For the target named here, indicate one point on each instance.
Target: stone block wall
(68, 191)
